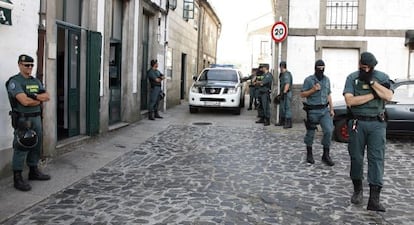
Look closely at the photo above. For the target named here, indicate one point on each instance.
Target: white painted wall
(304, 14)
(391, 54)
(385, 14)
(19, 38)
(300, 57)
(339, 63)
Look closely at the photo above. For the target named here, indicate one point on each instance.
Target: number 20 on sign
(279, 31)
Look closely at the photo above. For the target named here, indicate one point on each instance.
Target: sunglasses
(28, 65)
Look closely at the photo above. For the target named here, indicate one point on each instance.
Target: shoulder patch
(12, 85)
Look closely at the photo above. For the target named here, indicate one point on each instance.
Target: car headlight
(232, 91)
(194, 89)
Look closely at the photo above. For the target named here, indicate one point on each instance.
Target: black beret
(282, 64)
(25, 58)
(368, 59)
(153, 62)
(319, 62)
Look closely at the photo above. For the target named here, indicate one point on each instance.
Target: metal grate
(342, 14)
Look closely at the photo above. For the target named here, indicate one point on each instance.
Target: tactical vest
(371, 108)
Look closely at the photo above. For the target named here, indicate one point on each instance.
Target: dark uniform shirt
(152, 75)
(285, 78)
(356, 87)
(320, 97)
(20, 84)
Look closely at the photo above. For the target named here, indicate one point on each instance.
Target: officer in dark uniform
(252, 89)
(285, 82)
(365, 94)
(259, 78)
(317, 91)
(26, 94)
(264, 87)
(155, 77)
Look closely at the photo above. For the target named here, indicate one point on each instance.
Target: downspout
(165, 59)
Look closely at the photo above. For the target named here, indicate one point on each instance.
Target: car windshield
(404, 94)
(219, 75)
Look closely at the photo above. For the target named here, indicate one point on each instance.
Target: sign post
(279, 34)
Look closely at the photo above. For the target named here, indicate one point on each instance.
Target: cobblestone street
(214, 174)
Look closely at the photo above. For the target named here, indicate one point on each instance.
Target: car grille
(212, 91)
(212, 99)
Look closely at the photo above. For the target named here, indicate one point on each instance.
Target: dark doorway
(115, 83)
(145, 47)
(68, 70)
(183, 75)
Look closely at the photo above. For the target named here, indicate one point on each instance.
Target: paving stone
(221, 175)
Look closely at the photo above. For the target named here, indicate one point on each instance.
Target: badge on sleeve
(12, 85)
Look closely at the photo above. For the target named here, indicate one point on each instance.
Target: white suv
(217, 88)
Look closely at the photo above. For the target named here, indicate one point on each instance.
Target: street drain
(202, 123)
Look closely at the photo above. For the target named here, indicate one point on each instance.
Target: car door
(400, 111)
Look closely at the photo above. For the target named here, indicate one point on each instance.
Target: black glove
(376, 96)
(32, 96)
(365, 76)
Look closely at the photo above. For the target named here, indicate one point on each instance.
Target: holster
(14, 119)
(308, 124)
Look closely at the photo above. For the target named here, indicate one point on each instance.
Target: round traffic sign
(279, 31)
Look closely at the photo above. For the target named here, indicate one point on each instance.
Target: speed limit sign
(279, 31)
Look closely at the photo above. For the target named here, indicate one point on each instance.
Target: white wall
(304, 14)
(339, 63)
(391, 54)
(301, 57)
(19, 38)
(393, 15)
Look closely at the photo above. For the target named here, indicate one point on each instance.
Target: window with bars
(342, 14)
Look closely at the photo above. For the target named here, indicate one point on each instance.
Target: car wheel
(193, 110)
(341, 131)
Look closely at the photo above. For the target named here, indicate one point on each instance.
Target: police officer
(26, 94)
(264, 88)
(319, 110)
(285, 82)
(155, 77)
(365, 94)
(252, 89)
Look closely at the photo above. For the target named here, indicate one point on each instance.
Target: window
(342, 14)
(188, 11)
(264, 48)
(69, 11)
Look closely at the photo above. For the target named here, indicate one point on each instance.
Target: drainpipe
(165, 59)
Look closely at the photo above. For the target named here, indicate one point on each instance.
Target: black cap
(319, 62)
(25, 58)
(368, 59)
(153, 62)
(282, 64)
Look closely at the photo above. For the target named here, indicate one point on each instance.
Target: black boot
(288, 123)
(281, 122)
(35, 174)
(309, 155)
(151, 116)
(261, 120)
(157, 115)
(374, 198)
(266, 122)
(19, 183)
(326, 158)
(357, 196)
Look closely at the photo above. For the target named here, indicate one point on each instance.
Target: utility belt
(380, 117)
(307, 107)
(16, 115)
